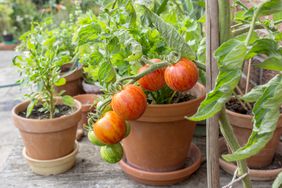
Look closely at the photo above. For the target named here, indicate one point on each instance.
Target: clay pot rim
(246, 116)
(73, 74)
(63, 117)
(255, 174)
(165, 176)
(85, 107)
(199, 98)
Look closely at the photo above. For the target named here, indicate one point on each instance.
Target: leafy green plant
(40, 67)
(121, 35)
(24, 13)
(230, 57)
(5, 19)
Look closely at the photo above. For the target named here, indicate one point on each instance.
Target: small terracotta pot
(160, 139)
(242, 126)
(73, 84)
(47, 139)
(86, 101)
(53, 166)
(91, 88)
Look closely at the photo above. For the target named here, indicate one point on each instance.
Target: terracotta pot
(160, 139)
(53, 166)
(254, 174)
(91, 88)
(86, 101)
(242, 126)
(47, 139)
(73, 84)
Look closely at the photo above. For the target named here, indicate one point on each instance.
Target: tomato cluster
(131, 102)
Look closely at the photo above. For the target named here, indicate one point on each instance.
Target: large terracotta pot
(73, 84)
(242, 126)
(160, 139)
(47, 139)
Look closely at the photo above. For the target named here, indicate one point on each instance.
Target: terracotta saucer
(54, 166)
(255, 174)
(165, 178)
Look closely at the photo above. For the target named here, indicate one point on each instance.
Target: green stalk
(225, 126)
(253, 23)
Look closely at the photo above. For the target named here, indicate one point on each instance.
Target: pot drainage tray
(54, 166)
(269, 173)
(165, 178)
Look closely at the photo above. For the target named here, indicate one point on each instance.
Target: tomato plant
(181, 76)
(110, 129)
(130, 103)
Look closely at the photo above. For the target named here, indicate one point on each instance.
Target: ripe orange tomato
(153, 81)
(181, 76)
(130, 103)
(110, 129)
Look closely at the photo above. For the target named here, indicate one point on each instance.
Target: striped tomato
(181, 76)
(110, 129)
(130, 103)
(153, 81)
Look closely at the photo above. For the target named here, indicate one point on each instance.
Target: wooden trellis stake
(212, 42)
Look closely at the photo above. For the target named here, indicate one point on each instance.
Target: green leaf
(135, 47)
(162, 7)
(272, 63)
(254, 94)
(132, 14)
(230, 56)
(278, 181)
(270, 7)
(106, 73)
(266, 115)
(68, 100)
(60, 82)
(30, 107)
(174, 39)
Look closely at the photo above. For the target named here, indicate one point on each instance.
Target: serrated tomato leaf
(174, 39)
(229, 63)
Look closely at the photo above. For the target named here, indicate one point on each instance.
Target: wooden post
(212, 41)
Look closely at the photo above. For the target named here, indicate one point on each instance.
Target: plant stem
(248, 75)
(225, 127)
(252, 26)
(241, 93)
(233, 144)
(170, 99)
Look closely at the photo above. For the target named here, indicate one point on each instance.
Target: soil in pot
(47, 139)
(160, 139)
(73, 76)
(241, 121)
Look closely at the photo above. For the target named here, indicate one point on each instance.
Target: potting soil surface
(90, 170)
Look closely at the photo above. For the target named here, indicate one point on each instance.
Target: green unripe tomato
(93, 139)
(111, 153)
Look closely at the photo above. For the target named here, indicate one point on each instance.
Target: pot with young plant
(72, 70)
(48, 120)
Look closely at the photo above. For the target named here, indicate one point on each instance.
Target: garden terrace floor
(90, 170)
